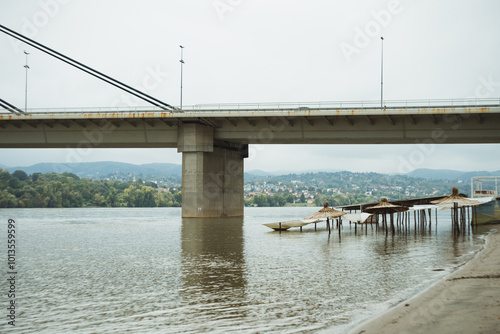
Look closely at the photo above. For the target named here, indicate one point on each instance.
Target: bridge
(214, 139)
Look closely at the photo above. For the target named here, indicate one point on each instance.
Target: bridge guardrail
(270, 106)
(344, 104)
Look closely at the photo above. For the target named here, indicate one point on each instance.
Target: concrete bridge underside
(214, 143)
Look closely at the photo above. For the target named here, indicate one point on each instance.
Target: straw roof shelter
(385, 207)
(457, 201)
(455, 198)
(480, 200)
(326, 212)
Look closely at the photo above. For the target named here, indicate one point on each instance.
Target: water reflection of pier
(213, 265)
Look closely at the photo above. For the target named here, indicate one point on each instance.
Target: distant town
(340, 188)
(118, 184)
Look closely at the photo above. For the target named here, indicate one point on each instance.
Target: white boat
(485, 189)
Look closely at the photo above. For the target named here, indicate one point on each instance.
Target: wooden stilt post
(430, 219)
(415, 219)
(392, 224)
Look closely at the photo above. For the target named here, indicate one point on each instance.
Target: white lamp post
(26, 87)
(182, 64)
(382, 76)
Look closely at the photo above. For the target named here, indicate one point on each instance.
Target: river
(147, 270)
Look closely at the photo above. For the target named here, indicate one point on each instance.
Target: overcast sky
(259, 51)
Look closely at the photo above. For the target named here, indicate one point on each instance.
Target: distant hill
(258, 172)
(448, 174)
(124, 171)
(99, 170)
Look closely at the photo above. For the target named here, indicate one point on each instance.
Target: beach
(466, 301)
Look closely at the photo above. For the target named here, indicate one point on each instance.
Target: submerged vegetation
(67, 190)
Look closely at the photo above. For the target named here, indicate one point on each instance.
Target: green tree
(129, 196)
(112, 199)
(139, 195)
(161, 199)
(35, 176)
(52, 192)
(261, 200)
(20, 175)
(149, 197)
(99, 200)
(7, 200)
(302, 198)
(151, 184)
(5, 178)
(177, 198)
(289, 198)
(280, 200)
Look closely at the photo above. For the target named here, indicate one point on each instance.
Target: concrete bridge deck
(304, 125)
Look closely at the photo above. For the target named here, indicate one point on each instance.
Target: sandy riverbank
(467, 301)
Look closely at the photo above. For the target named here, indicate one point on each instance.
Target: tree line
(67, 190)
(337, 200)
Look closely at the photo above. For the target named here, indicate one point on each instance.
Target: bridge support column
(212, 173)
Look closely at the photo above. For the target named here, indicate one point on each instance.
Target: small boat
(485, 189)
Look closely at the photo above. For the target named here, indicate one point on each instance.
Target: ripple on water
(147, 270)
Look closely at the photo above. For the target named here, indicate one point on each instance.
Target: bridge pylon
(212, 173)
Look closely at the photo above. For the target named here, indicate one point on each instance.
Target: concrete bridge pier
(212, 173)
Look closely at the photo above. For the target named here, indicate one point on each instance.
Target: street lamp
(182, 64)
(382, 75)
(26, 87)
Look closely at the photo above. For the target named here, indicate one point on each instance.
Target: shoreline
(465, 301)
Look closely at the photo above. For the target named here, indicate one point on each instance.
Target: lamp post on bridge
(382, 75)
(182, 64)
(26, 86)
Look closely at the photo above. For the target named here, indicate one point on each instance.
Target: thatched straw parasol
(326, 212)
(457, 201)
(455, 198)
(385, 207)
